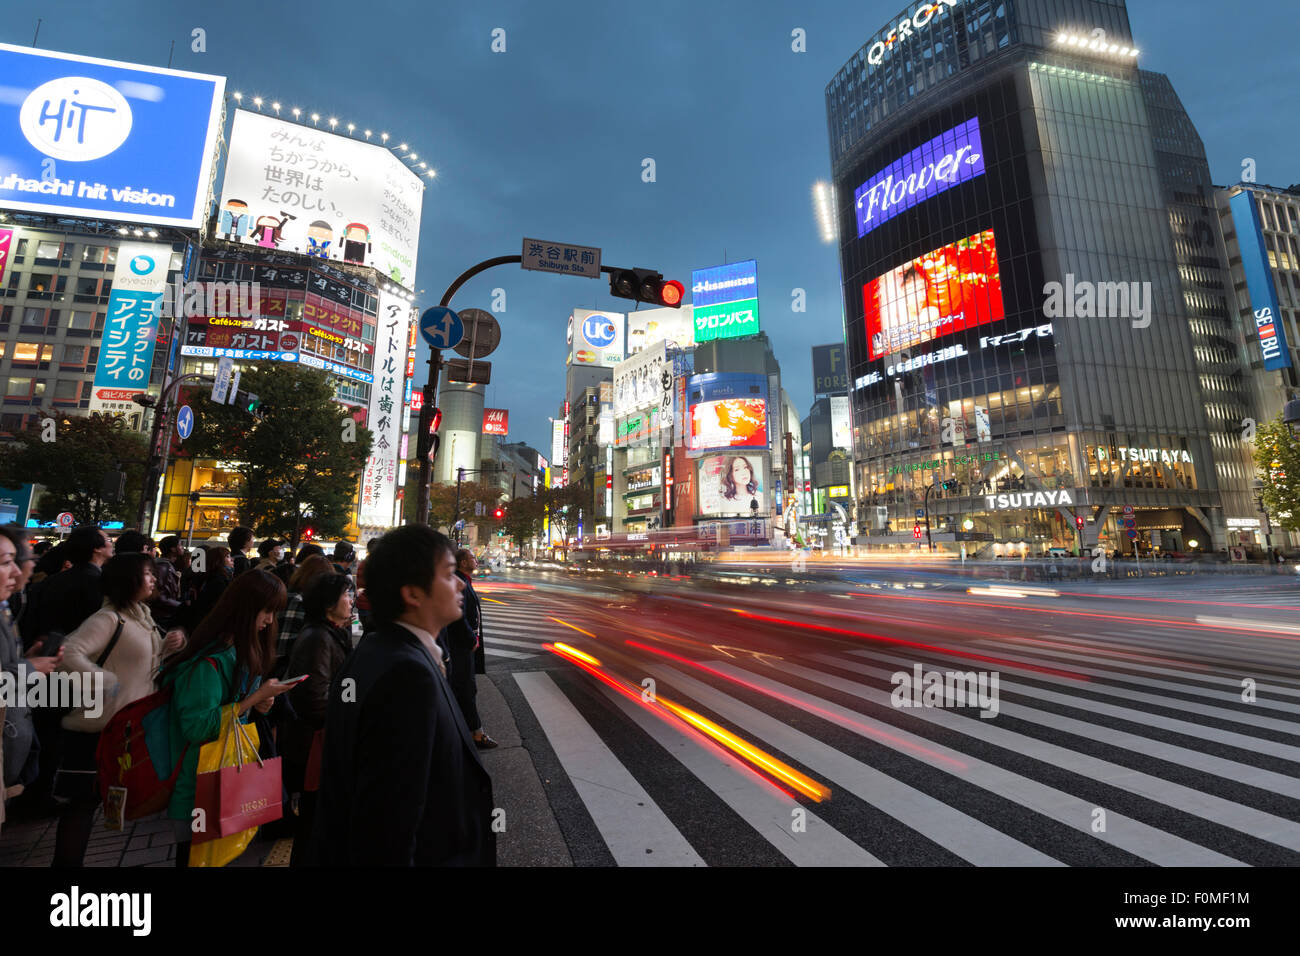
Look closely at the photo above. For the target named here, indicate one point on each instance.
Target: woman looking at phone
(229, 657)
(118, 649)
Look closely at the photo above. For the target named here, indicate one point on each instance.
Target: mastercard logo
(586, 355)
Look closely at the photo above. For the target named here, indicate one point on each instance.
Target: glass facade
(1104, 374)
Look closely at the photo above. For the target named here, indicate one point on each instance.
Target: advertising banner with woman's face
(727, 484)
(948, 289)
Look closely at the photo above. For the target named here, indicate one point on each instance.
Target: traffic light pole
(435, 369)
(159, 447)
(929, 542)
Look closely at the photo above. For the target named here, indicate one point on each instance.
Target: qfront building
(1040, 346)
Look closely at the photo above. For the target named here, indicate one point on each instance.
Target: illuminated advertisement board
(830, 371)
(106, 140)
(674, 327)
(946, 290)
(596, 338)
(6, 244)
(841, 433)
(727, 410)
(298, 189)
(130, 326)
(379, 481)
(952, 157)
(638, 381)
(731, 485)
(724, 300)
(496, 421)
(1259, 282)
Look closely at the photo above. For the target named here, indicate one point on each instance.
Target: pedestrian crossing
(515, 632)
(1117, 757)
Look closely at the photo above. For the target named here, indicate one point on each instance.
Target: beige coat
(130, 669)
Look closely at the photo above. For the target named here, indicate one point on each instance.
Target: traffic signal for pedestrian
(426, 436)
(916, 531)
(949, 484)
(248, 402)
(646, 285)
(1078, 522)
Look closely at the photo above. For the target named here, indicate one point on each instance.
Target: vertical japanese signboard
(1268, 326)
(379, 482)
(6, 244)
(131, 326)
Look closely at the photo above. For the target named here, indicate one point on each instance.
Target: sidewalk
(531, 836)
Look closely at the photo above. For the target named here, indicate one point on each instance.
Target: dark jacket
(167, 600)
(242, 563)
(214, 585)
(67, 599)
(401, 781)
(20, 744)
(319, 652)
(463, 634)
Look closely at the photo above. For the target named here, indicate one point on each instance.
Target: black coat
(67, 599)
(401, 781)
(319, 651)
(463, 634)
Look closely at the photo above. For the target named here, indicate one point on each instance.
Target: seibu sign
(919, 20)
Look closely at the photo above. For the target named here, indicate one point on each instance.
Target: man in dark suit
(401, 782)
(464, 638)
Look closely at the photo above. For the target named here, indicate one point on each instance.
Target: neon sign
(919, 20)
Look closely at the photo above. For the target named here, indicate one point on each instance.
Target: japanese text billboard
(731, 485)
(496, 421)
(379, 481)
(948, 289)
(724, 300)
(727, 410)
(952, 157)
(130, 326)
(298, 189)
(81, 136)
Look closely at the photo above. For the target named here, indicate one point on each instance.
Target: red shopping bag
(241, 796)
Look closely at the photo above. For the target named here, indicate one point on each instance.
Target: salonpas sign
(1028, 499)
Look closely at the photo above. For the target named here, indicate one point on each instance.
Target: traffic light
(949, 484)
(1078, 522)
(426, 436)
(308, 534)
(113, 487)
(248, 402)
(646, 285)
(499, 513)
(916, 532)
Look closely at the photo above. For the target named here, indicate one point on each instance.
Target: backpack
(134, 752)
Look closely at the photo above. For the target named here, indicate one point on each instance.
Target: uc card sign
(81, 136)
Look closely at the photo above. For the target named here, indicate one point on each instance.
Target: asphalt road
(766, 721)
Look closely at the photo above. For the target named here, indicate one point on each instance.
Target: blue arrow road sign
(184, 422)
(441, 328)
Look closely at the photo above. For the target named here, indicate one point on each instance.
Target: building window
(68, 390)
(41, 282)
(48, 250)
(33, 318)
(32, 352)
(81, 320)
(73, 355)
(19, 388)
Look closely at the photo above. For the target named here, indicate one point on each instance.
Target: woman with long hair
(121, 646)
(230, 654)
(219, 571)
(318, 652)
(737, 473)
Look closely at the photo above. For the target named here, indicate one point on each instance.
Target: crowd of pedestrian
(379, 737)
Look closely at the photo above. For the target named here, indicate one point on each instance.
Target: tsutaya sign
(919, 20)
(1028, 499)
(1168, 456)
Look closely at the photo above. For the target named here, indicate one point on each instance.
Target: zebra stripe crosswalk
(1079, 765)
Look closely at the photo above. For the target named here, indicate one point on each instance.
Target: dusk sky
(547, 139)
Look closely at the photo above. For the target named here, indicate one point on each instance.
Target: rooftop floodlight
(384, 137)
(296, 112)
(257, 101)
(367, 134)
(333, 122)
(351, 127)
(238, 96)
(276, 107)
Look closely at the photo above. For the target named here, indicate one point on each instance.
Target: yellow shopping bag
(232, 747)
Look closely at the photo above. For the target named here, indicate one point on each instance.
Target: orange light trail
(573, 627)
(864, 729)
(741, 748)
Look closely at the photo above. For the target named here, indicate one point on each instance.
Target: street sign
(221, 383)
(1131, 534)
(441, 327)
(461, 370)
(65, 519)
(234, 385)
(920, 513)
(482, 334)
(1128, 509)
(184, 422)
(460, 525)
(563, 258)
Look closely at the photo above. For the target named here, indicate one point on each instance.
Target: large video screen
(81, 136)
(727, 410)
(946, 290)
(729, 484)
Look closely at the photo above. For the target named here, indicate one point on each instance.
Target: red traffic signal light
(499, 513)
(308, 534)
(916, 531)
(646, 285)
(437, 421)
(1078, 522)
(671, 293)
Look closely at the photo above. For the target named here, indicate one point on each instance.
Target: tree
(523, 520)
(70, 457)
(300, 463)
(443, 503)
(564, 508)
(1277, 456)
